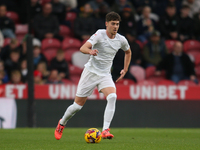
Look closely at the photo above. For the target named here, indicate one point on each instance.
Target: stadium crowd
(163, 36)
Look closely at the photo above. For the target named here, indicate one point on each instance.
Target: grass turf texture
(125, 139)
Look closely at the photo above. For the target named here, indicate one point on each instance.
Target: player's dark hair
(113, 16)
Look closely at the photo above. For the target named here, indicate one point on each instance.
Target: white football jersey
(102, 63)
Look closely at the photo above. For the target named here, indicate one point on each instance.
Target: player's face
(112, 27)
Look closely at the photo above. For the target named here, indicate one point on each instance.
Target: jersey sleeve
(94, 38)
(125, 46)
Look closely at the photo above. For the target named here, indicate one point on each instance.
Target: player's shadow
(1, 122)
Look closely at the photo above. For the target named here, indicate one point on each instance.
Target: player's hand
(123, 72)
(94, 52)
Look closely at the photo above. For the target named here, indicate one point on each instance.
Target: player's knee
(112, 97)
(77, 107)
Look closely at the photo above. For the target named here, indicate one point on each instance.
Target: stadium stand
(21, 30)
(13, 15)
(166, 82)
(146, 82)
(50, 43)
(69, 43)
(170, 44)
(138, 72)
(65, 31)
(187, 82)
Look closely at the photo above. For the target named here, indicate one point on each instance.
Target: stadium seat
(197, 59)
(197, 70)
(65, 31)
(69, 43)
(75, 70)
(6, 41)
(150, 74)
(69, 53)
(70, 16)
(140, 44)
(191, 45)
(79, 59)
(166, 82)
(138, 72)
(75, 78)
(187, 82)
(50, 54)
(125, 82)
(50, 43)
(67, 81)
(13, 15)
(170, 44)
(146, 82)
(192, 54)
(43, 2)
(21, 30)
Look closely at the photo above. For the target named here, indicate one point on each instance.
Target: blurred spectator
(13, 62)
(5, 51)
(5, 78)
(59, 10)
(70, 3)
(162, 5)
(119, 5)
(128, 25)
(7, 25)
(145, 25)
(24, 70)
(42, 67)
(194, 6)
(155, 50)
(95, 4)
(45, 24)
(23, 48)
(177, 65)
(59, 63)
(35, 9)
(100, 17)
(186, 24)
(38, 77)
(169, 23)
(118, 64)
(84, 25)
(10, 4)
(54, 77)
(197, 25)
(15, 77)
(37, 55)
(1, 41)
(2, 74)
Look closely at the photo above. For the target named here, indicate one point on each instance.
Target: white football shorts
(89, 81)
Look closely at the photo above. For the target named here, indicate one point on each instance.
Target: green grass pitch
(125, 139)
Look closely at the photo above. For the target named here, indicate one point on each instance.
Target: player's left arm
(127, 60)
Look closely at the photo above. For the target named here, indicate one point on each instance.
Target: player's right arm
(86, 49)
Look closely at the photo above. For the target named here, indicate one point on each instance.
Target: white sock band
(110, 110)
(71, 110)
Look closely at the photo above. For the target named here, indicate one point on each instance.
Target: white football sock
(110, 110)
(71, 110)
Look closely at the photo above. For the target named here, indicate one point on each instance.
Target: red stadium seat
(166, 82)
(170, 44)
(138, 72)
(69, 53)
(43, 2)
(67, 81)
(75, 78)
(197, 70)
(6, 41)
(69, 43)
(191, 45)
(21, 30)
(13, 15)
(187, 82)
(50, 43)
(150, 71)
(65, 31)
(140, 44)
(150, 74)
(125, 82)
(75, 70)
(156, 79)
(50, 54)
(146, 82)
(192, 54)
(197, 59)
(70, 16)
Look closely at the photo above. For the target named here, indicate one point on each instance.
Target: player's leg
(110, 94)
(70, 112)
